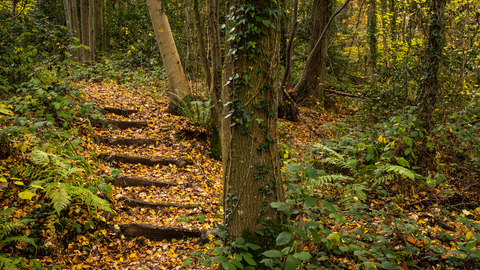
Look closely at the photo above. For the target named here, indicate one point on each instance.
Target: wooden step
(158, 232)
(134, 202)
(118, 111)
(124, 181)
(124, 141)
(145, 161)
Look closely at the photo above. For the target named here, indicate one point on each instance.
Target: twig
(345, 94)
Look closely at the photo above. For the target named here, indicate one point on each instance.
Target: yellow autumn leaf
(380, 138)
(468, 236)
(133, 255)
(160, 30)
(2, 179)
(36, 186)
(26, 195)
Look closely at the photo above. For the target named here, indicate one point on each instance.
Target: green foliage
(62, 182)
(197, 111)
(6, 228)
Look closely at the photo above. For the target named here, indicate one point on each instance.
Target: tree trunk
(85, 29)
(201, 44)
(383, 8)
(251, 165)
(433, 53)
(372, 39)
(311, 88)
(177, 81)
(98, 23)
(91, 26)
(71, 17)
(216, 86)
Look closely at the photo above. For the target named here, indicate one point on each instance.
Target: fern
(329, 179)
(90, 199)
(196, 110)
(58, 193)
(6, 263)
(320, 147)
(399, 170)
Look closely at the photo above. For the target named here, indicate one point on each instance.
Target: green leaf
(310, 202)
(303, 256)
(291, 263)
(248, 258)
(187, 261)
(220, 259)
(312, 173)
(272, 253)
(259, 120)
(283, 238)
(229, 266)
(388, 265)
(328, 205)
(281, 206)
(252, 246)
(301, 233)
(236, 263)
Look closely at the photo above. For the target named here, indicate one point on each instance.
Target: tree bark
(372, 39)
(98, 24)
(216, 86)
(201, 44)
(177, 81)
(433, 53)
(91, 26)
(85, 29)
(311, 88)
(251, 165)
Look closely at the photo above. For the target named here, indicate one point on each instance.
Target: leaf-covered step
(118, 111)
(120, 124)
(145, 161)
(134, 202)
(124, 181)
(159, 232)
(124, 141)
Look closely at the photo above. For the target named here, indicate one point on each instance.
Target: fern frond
(91, 199)
(382, 179)
(58, 193)
(338, 163)
(6, 263)
(355, 192)
(399, 170)
(321, 147)
(329, 179)
(21, 238)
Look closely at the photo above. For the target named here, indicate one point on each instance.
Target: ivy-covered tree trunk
(311, 88)
(433, 54)
(251, 165)
(177, 81)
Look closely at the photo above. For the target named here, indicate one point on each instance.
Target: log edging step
(134, 202)
(118, 111)
(145, 161)
(124, 141)
(124, 181)
(119, 124)
(158, 232)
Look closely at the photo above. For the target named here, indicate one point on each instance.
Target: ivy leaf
(281, 206)
(283, 238)
(259, 120)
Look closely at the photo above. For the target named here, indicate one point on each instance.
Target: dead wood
(145, 161)
(344, 94)
(158, 232)
(123, 181)
(124, 141)
(134, 202)
(118, 111)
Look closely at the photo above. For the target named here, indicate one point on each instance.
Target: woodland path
(166, 177)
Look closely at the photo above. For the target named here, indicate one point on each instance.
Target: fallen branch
(134, 202)
(345, 94)
(301, 116)
(145, 161)
(123, 181)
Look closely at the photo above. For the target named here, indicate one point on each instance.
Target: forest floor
(167, 198)
(182, 196)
